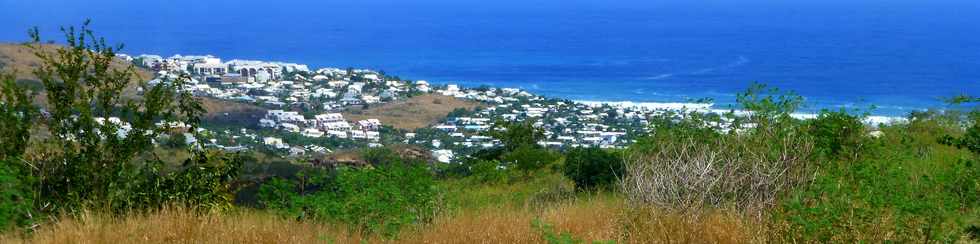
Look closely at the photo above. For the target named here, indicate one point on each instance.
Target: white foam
(708, 107)
(651, 105)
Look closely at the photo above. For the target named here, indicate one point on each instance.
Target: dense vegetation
(91, 161)
(759, 175)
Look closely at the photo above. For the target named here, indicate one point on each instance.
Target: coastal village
(304, 109)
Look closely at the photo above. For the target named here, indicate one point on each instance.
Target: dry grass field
(20, 60)
(412, 113)
(599, 218)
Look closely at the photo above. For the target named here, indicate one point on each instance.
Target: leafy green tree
(593, 167)
(488, 171)
(528, 158)
(837, 134)
(100, 152)
(380, 199)
(280, 195)
(17, 114)
(380, 156)
(517, 134)
(458, 112)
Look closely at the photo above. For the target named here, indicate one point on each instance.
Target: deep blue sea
(900, 55)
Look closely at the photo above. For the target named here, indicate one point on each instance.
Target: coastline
(872, 119)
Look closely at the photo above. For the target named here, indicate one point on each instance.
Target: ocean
(896, 56)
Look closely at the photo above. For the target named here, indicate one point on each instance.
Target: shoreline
(710, 107)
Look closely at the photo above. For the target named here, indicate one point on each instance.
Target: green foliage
(380, 156)
(377, 200)
(970, 140)
(553, 237)
(515, 135)
(175, 141)
(15, 198)
(593, 167)
(380, 200)
(529, 158)
(278, 194)
(488, 171)
(458, 112)
(904, 184)
(16, 116)
(768, 105)
(100, 155)
(837, 134)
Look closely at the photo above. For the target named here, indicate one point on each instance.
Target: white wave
(870, 120)
(651, 105)
(741, 60)
(659, 77)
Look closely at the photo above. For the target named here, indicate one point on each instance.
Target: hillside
(21, 60)
(231, 113)
(413, 113)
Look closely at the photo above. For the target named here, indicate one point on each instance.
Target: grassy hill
(21, 61)
(413, 113)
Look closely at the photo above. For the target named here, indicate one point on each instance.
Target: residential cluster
(307, 103)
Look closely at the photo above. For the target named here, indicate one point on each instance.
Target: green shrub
(380, 200)
(551, 236)
(90, 162)
(837, 134)
(488, 171)
(376, 200)
(515, 135)
(16, 118)
(15, 200)
(528, 158)
(593, 167)
(906, 185)
(379, 156)
(278, 194)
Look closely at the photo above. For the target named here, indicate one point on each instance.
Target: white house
(274, 142)
(312, 132)
(443, 156)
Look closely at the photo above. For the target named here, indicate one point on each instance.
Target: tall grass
(596, 217)
(178, 225)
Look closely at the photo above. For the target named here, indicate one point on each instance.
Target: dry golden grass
(20, 60)
(412, 113)
(586, 219)
(595, 218)
(181, 226)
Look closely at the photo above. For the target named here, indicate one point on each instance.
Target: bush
(488, 171)
(906, 185)
(377, 200)
(689, 163)
(15, 200)
(837, 134)
(380, 156)
(100, 152)
(528, 158)
(16, 115)
(516, 135)
(593, 167)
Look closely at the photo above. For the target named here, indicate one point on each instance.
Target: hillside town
(303, 109)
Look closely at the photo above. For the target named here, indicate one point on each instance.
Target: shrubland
(754, 174)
